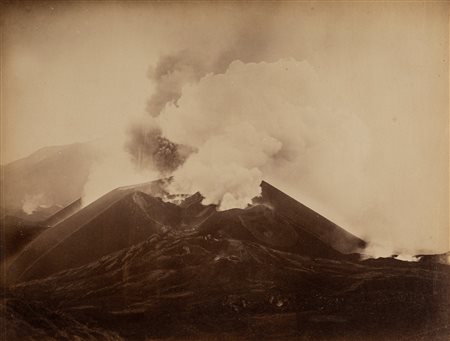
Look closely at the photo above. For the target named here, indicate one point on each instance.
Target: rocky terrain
(189, 272)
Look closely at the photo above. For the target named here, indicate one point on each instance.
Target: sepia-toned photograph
(224, 170)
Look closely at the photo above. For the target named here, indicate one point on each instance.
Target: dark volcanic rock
(22, 319)
(135, 267)
(16, 233)
(179, 285)
(311, 222)
(127, 216)
(263, 224)
(443, 258)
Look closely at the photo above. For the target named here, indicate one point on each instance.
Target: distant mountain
(50, 177)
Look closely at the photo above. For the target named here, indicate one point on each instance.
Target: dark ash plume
(169, 75)
(149, 149)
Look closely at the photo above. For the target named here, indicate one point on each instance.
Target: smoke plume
(351, 126)
(222, 131)
(256, 121)
(149, 149)
(169, 75)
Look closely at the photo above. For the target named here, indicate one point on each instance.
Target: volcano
(134, 266)
(129, 215)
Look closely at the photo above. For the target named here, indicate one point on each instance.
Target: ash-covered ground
(273, 271)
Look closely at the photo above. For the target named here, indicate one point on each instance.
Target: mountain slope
(310, 221)
(51, 176)
(127, 216)
(15, 234)
(119, 219)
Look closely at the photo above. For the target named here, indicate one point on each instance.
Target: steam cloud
(258, 121)
(275, 121)
(32, 202)
(242, 124)
(169, 75)
(254, 121)
(221, 131)
(113, 168)
(222, 123)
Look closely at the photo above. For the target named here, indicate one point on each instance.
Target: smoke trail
(148, 148)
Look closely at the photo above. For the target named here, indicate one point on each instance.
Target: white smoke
(113, 168)
(386, 249)
(32, 202)
(407, 257)
(227, 167)
(258, 121)
(341, 133)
